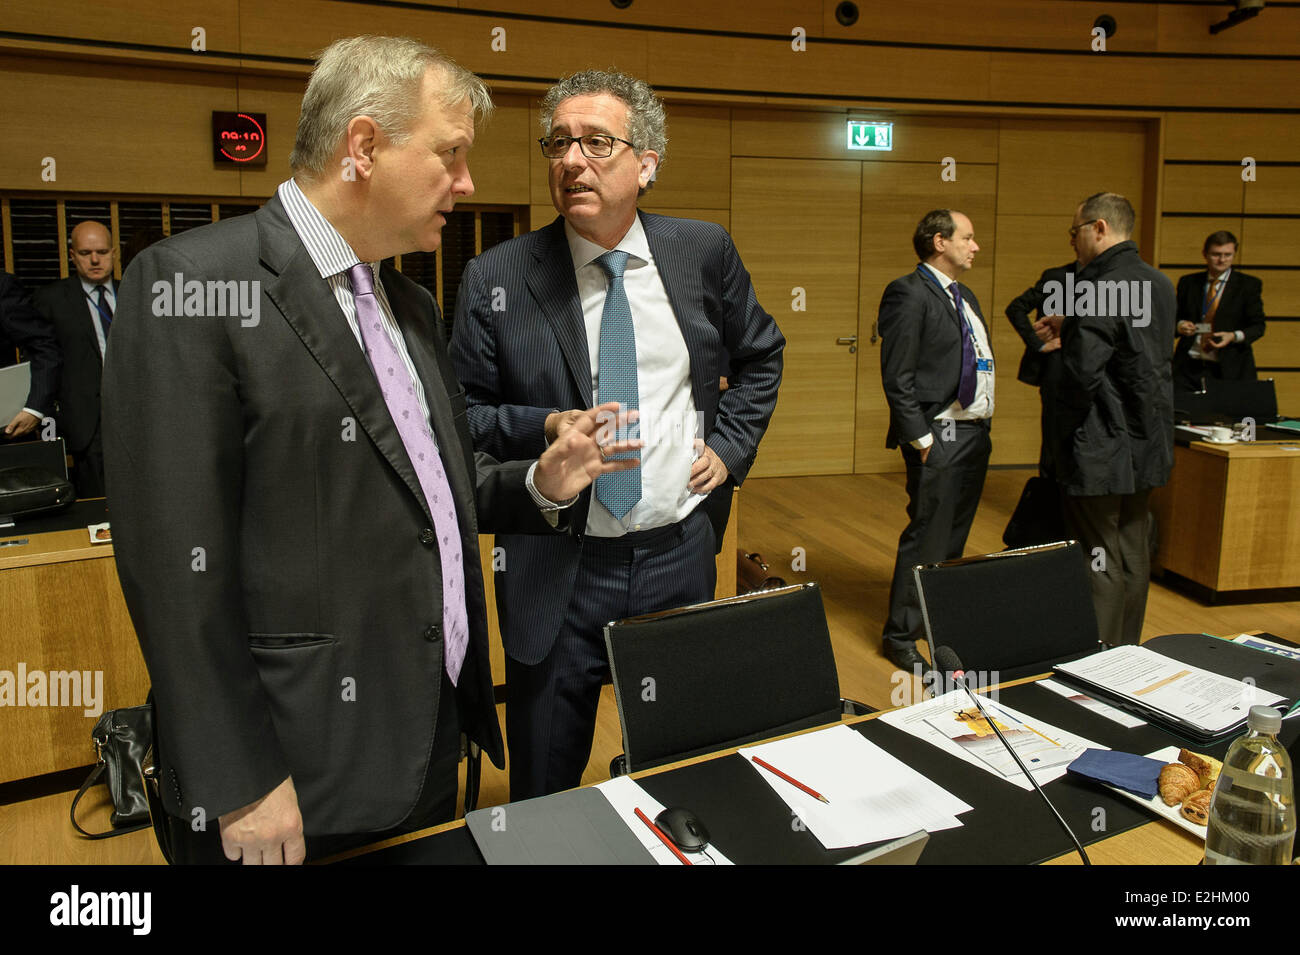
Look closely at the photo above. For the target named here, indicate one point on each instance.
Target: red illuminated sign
(239, 138)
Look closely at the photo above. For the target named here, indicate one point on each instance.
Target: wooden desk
(1155, 842)
(1229, 519)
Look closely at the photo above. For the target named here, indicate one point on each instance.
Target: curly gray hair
(647, 125)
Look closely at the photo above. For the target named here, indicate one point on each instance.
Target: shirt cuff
(546, 506)
(40, 417)
(923, 442)
(1239, 336)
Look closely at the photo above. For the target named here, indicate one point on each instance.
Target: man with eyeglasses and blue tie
(645, 310)
(80, 309)
(936, 364)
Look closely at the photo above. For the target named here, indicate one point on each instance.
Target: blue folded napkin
(1130, 772)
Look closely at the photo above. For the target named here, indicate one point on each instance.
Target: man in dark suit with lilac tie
(936, 364)
(296, 502)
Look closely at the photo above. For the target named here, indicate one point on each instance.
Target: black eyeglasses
(593, 145)
(1074, 229)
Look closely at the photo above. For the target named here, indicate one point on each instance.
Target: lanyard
(975, 342)
(1206, 301)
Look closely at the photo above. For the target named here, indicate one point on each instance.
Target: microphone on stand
(946, 661)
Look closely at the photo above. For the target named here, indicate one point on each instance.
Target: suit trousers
(551, 706)
(1115, 531)
(436, 804)
(88, 469)
(942, 496)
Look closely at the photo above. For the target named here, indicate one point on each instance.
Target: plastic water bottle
(1252, 814)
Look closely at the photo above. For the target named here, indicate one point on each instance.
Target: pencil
(662, 838)
(790, 779)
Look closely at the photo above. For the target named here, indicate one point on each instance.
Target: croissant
(1196, 807)
(1205, 767)
(1177, 782)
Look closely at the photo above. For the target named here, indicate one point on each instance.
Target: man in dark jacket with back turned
(1113, 429)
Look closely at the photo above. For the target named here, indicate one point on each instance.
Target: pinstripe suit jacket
(519, 346)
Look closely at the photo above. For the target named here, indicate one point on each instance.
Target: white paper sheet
(1112, 713)
(626, 797)
(912, 719)
(872, 795)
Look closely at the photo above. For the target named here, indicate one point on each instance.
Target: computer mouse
(684, 828)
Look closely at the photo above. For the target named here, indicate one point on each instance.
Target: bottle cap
(1264, 719)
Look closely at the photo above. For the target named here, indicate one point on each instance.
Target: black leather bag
(1037, 518)
(122, 740)
(26, 491)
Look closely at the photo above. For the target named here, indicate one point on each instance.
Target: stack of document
(1199, 703)
(869, 795)
(952, 723)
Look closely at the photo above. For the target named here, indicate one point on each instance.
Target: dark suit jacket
(64, 306)
(523, 362)
(22, 326)
(1241, 308)
(1022, 307)
(1113, 432)
(920, 353)
(272, 537)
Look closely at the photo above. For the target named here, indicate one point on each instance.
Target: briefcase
(25, 491)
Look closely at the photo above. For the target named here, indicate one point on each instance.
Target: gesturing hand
(583, 450)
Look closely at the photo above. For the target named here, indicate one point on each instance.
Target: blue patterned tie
(105, 310)
(966, 387)
(620, 490)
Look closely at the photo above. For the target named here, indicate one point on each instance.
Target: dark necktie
(617, 380)
(399, 394)
(966, 388)
(105, 310)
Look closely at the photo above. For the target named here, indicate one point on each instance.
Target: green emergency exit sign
(865, 135)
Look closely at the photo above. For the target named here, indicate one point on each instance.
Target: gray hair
(379, 77)
(647, 125)
(1114, 208)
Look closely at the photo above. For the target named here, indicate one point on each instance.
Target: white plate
(1217, 441)
(1157, 805)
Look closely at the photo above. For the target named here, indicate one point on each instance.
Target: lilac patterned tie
(399, 394)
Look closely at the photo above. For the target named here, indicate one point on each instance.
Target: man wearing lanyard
(936, 366)
(81, 310)
(1220, 313)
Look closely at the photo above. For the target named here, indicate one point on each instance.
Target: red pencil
(662, 838)
(790, 779)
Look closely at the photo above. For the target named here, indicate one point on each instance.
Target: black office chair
(1015, 613)
(699, 679)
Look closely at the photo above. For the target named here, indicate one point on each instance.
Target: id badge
(983, 364)
(1203, 327)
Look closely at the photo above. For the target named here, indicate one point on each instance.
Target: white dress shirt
(982, 404)
(669, 422)
(1214, 288)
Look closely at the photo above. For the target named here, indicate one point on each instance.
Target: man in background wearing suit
(81, 309)
(634, 308)
(1113, 435)
(22, 327)
(1040, 365)
(1231, 304)
(296, 502)
(936, 365)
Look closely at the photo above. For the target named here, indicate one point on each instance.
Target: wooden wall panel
(1271, 241)
(1280, 347)
(1288, 390)
(150, 129)
(1281, 292)
(1186, 27)
(820, 134)
(499, 160)
(1047, 167)
(1275, 189)
(696, 173)
(1181, 239)
(753, 16)
(132, 21)
(1203, 189)
(1230, 137)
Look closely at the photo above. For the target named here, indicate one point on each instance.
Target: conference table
(1010, 826)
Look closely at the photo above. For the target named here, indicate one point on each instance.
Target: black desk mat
(1008, 825)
